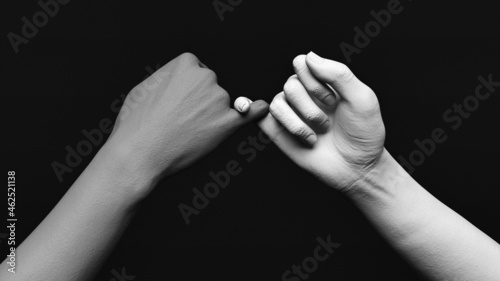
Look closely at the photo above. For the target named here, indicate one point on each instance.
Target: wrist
(124, 172)
(385, 176)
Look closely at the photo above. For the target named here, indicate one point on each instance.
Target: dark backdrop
(423, 62)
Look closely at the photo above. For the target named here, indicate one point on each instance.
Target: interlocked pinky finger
(283, 113)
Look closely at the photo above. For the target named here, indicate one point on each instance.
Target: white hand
(327, 121)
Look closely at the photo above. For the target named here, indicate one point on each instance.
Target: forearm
(75, 238)
(435, 239)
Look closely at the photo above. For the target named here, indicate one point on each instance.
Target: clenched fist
(327, 121)
(176, 116)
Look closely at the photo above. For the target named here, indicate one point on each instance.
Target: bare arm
(434, 238)
(75, 238)
(330, 124)
(173, 118)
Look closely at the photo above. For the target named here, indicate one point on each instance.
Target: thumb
(338, 76)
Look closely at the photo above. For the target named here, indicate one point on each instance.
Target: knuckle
(279, 97)
(315, 118)
(300, 131)
(291, 86)
(293, 78)
(275, 106)
(221, 91)
(274, 109)
(208, 74)
(223, 96)
(299, 63)
(211, 74)
(220, 97)
(320, 93)
(323, 97)
(188, 56)
(187, 59)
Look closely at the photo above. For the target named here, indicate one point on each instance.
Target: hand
(176, 116)
(327, 121)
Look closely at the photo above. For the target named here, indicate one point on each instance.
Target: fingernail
(315, 58)
(311, 139)
(244, 106)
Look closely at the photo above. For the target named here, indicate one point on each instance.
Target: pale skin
(325, 120)
(329, 123)
(183, 116)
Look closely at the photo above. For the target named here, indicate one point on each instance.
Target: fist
(176, 116)
(327, 121)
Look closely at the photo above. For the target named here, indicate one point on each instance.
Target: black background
(267, 219)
